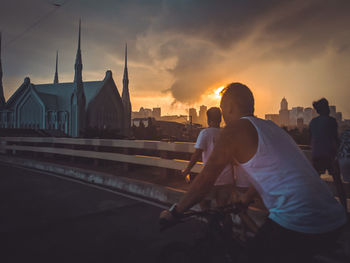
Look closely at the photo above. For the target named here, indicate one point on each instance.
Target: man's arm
(219, 158)
(195, 158)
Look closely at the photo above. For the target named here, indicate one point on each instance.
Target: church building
(71, 107)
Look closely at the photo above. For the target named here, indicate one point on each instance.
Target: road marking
(140, 199)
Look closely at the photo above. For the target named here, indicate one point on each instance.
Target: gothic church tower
(78, 99)
(126, 96)
(2, 98)
(55, 79)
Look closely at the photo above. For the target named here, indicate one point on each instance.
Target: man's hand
(165, 216)
(185, 172)
(169, 217)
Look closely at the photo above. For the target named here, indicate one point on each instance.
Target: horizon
(177, 62)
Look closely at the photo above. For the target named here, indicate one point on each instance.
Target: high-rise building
(192, 113)
(339, 117)
(283, 119)
(295, 114)
(333, 111)
(308, 115)
(156, 113)
(203, 115)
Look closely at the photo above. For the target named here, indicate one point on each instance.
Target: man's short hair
(214, 114)
(321, 106)
(240, 95)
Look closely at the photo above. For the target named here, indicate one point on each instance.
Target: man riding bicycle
(303, 214)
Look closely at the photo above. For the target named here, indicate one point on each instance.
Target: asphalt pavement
(49, 219)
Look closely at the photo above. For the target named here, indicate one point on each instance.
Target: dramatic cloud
(182, 50)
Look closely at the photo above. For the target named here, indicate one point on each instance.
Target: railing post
(35, 153)
(96, 161)
(3, 143)
(53, 146)
(72, 158)
(126, 166)
(165, 171)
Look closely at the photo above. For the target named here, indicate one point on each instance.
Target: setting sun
(217, 92)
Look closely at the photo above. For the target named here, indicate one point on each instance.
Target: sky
(180, 52)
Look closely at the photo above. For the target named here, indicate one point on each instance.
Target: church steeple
(55, 80)
(78, 99)
(2, 98)
(78, 63)
(125, 95)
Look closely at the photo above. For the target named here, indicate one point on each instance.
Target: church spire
(2, 98)
(126, 96)
(126, 77)
(78, 63)
(55, 80)
(78, 99)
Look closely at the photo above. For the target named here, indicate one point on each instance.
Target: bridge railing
(101, 149)
(169, 155)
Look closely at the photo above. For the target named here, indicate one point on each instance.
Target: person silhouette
(324, 138)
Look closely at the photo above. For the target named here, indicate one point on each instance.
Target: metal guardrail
(12, 144)
(59, 146)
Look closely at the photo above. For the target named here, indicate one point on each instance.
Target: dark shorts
(275, 244)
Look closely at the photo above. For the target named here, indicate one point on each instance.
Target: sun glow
(217, 92)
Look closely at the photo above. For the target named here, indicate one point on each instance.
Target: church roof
(18, 92)
(62, 93)
(50, 101)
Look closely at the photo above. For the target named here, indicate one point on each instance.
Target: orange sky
(181, 51)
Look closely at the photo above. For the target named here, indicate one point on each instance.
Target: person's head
(214, 117)
(321, 106)
(236, 101)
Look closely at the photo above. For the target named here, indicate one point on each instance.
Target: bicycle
(219, 242)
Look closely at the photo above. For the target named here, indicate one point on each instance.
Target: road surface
(45, 218)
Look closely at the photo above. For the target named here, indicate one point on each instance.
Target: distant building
(142, 113)
(156, 113)
(337, 115)
(300, 124)
(283, 118)
(295, 114)
(192, 113)
(309, 114)
(273, 117)
(72, 107)
(202, 118)
(175, 118)
(298, 116)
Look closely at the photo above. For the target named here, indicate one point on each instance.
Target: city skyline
(176, 63)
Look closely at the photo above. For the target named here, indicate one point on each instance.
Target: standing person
(324, 138)
(223, 186)
(324, 143)
(303, 214)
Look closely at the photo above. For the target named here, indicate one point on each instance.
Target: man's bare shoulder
(241, 138)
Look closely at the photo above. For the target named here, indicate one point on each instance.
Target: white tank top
(289, 186)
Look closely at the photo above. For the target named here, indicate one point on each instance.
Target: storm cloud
(185, 48)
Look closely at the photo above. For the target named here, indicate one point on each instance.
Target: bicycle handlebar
(223, 210)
